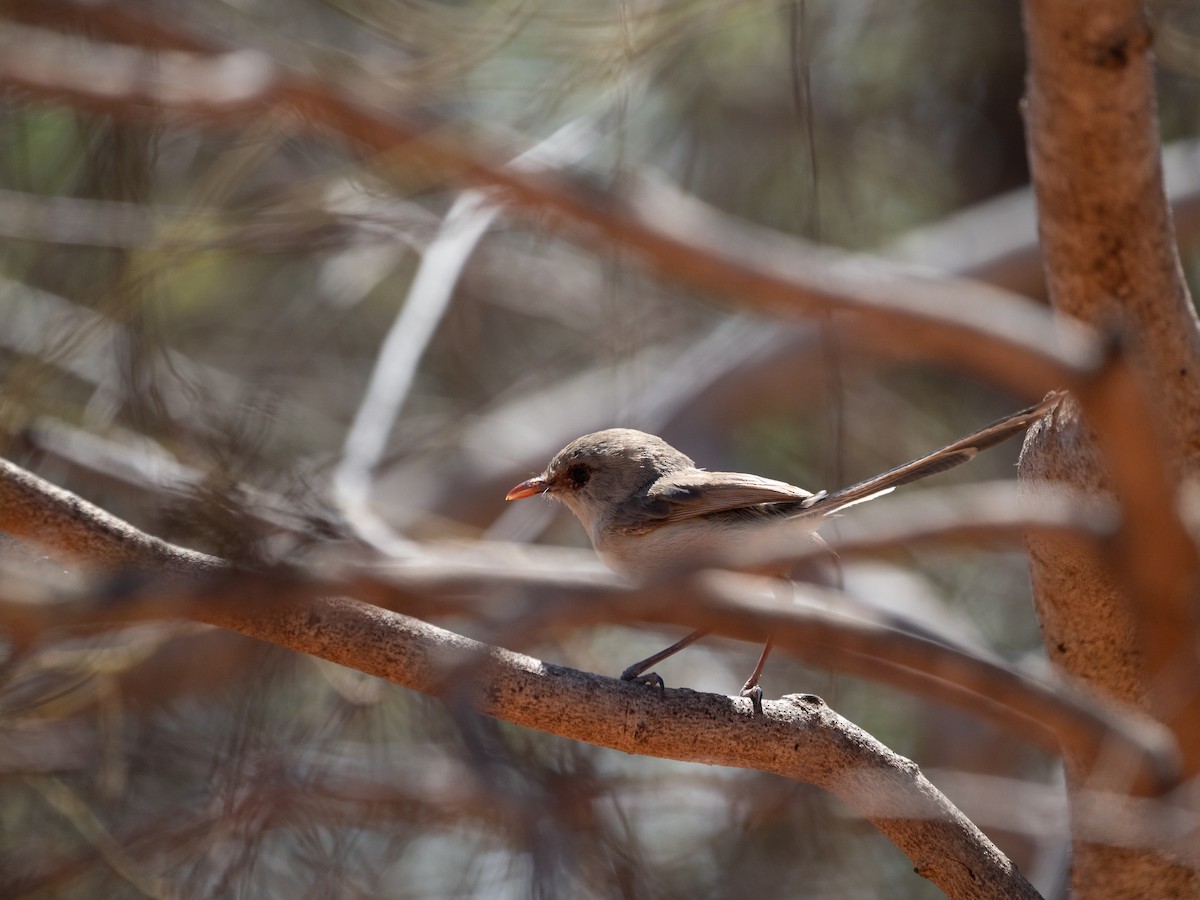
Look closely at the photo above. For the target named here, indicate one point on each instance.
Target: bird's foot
(651, 678)
(755, 694)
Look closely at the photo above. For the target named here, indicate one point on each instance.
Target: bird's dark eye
(578, 475)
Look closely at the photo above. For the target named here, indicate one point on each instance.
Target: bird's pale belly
(690, 545)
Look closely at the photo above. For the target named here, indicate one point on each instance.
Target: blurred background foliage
(192, 312)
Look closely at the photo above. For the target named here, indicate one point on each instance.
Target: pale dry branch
(984, 330)
(799, 738)
(994, 242)
(548, 598)
(32, 508)
(1110, 257)
(116, 224)
(140, 465)
(46, 327)
(404, 347)
(983, 514)
(893, 650)
(1105, 818)
(817, 629)
(987, 331)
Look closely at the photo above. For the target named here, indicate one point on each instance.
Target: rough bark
(1110, 260)
(798, 737)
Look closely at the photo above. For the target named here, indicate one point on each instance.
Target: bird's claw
(755, 695)
(650, 678)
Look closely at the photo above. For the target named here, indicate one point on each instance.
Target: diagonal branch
(999, 335)
(958, 323)
(799, 738)
(728, 602)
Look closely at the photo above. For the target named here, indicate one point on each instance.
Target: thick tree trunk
(1111, 261)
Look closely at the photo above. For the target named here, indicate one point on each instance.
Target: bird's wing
(689, 495)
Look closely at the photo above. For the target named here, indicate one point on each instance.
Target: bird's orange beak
(528, 489)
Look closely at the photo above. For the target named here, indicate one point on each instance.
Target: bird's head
(596, 473)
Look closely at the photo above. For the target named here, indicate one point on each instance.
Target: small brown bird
(649, 510)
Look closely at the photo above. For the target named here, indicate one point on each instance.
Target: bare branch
(32, 508)
(915, 314)
(730, 603)
(800, 738)
(984, 330)
(402, 350)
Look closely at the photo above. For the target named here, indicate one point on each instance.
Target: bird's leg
(634, 672)
(783, 587)
(750, 688)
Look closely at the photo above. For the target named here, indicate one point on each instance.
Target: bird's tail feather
(939, 461)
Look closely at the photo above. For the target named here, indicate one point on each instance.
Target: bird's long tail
(939, 461)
